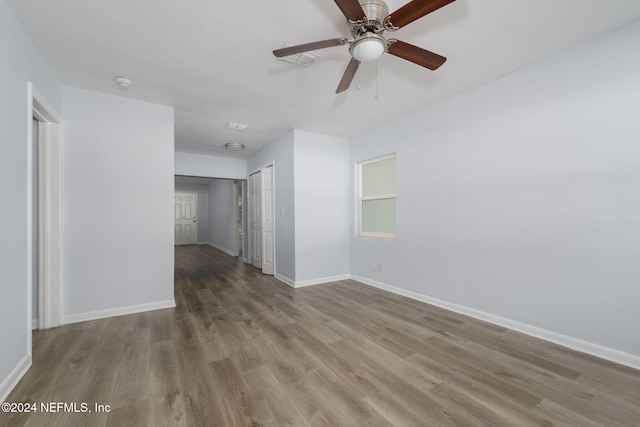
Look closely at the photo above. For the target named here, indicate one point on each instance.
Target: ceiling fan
(367, 20)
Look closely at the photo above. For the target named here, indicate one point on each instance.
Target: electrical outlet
(379, 267)
(374, 265)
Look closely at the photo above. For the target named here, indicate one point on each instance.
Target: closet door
(267, 220)
(255, 219)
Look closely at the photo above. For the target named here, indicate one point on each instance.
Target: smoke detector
(123, 82)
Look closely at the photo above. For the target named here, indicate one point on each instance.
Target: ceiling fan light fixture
(234, 146)
(367, 21)
(368, 47)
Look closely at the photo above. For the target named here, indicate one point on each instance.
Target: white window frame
(361, 199)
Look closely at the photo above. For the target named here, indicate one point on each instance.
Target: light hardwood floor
(244, 349)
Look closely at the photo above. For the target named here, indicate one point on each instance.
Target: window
(377, 198)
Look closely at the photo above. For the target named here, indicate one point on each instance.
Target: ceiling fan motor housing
(375, 11)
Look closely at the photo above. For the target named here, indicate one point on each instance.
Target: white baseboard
(311, 282)
(285, 280)
(16, 375)
(246, 260)
(319, 281)
(225, 250)
(597, 350)
(120, 311)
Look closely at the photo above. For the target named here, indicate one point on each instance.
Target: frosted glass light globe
(366, 50)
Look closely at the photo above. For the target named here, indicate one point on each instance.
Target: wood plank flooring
(243, 349)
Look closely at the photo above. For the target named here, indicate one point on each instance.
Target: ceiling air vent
(305, 58)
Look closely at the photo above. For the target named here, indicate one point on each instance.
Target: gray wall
(521, 198)
(19, 62)
(117, 204)
(322, 200)
(202, 191)
(221, 218)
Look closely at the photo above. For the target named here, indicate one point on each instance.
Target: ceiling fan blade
(348, 75)
(292, 50)
(414, 10)
(415, 54)
(351, 9)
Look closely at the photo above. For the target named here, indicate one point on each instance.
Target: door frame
(50, 212)
(271, 164)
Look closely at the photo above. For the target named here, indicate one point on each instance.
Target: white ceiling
(212, 60)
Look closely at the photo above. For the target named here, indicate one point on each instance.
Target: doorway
(261, 220)
(220, 213)
(44, 171)
(238, 214)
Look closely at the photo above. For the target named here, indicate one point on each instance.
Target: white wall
(221, 219)
(322, 201)
(117, 203)
(20, 62)
(210, 166)
(521, 198)
(202, 191)
(281, 152)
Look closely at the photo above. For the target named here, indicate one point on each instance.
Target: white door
(255, 220)
(186, 219)
(267, 220)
